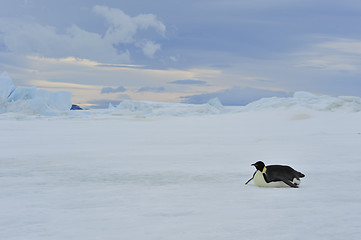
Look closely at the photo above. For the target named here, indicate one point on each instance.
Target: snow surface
(102, 175)
(145, 170)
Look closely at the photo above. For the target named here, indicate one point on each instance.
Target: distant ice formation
(152, 109)
(31, 100)
(309, 101)
(6, 86)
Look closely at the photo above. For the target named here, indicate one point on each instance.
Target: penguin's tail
(301, 175)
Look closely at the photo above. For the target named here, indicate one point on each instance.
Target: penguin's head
(259, 165)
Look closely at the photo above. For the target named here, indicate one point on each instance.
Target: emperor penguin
(275, 176)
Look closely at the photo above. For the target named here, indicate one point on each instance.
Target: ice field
(144, 170)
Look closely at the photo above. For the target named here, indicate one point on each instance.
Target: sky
(182, 51)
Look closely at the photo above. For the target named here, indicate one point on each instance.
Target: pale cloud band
(332, 54)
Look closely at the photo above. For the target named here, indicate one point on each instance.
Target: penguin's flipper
(251, 178)
(248, 181)
(289, 183)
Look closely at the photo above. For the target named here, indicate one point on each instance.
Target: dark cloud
(235, 96)
(120, 66)
(124, 96)
(151, 89)
(113, 90)
(189, 82)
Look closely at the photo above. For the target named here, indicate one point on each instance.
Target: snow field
(180, 177)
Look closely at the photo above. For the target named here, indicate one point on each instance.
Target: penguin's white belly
(258, 179)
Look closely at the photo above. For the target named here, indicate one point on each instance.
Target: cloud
(173, 58)
(151, 89)
(189, 82)
(334, 54)
(35, 39)
(124, 97)
(119, 66)
(235, 96)
(342, 45)
(123, 27)
(149, 48)
(30, 38)
(113, 90)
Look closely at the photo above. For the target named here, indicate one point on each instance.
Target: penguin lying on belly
(275, 176)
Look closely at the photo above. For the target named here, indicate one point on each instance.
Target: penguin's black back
(279, 172)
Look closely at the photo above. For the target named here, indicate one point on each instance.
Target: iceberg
(6, 86)
(309, 101)
(31, 100)
(145, 109)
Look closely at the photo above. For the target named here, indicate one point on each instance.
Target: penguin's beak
(254, 164)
